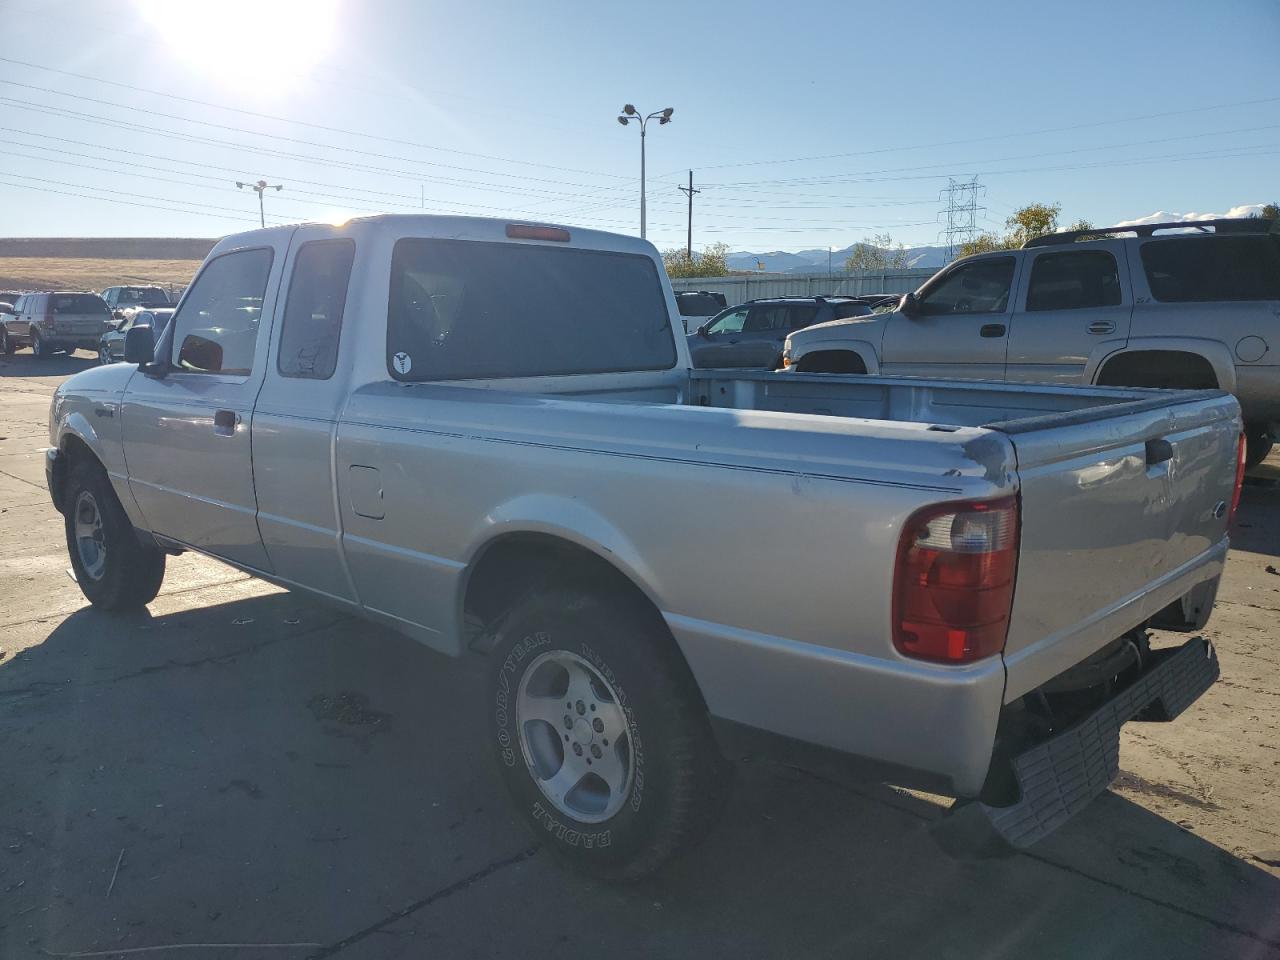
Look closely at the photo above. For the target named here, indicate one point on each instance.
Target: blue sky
(806, 124)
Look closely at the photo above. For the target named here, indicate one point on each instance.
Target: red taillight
(531, 231)
(1241, 456)
(953, 587)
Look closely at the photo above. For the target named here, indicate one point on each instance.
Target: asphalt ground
(240, 767)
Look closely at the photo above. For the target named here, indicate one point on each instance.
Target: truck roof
(493, 229)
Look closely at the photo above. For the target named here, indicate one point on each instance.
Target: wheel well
(831, 361)
(513, 566)
(1175, 369)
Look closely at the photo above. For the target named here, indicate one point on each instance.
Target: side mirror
(909, 306)
(118, 314)
(200, 353)
(702, 330)
(139, 345)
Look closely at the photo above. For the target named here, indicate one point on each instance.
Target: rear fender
(1212, 351)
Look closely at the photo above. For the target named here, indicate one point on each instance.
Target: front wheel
(6, 345)
(104, 355)
(115, 570)
(600, 733)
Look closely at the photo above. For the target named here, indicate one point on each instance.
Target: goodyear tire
(600, 732)
(115, 570)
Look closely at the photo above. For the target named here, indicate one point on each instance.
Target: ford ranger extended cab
(1161, 308)
(488, 435)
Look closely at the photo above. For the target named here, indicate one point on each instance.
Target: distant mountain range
(810, 261)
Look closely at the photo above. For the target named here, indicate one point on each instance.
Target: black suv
(751, 334)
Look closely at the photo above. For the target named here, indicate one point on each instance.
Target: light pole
(259, 188)
(629, 113)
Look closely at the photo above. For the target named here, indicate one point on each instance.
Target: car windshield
(130, 295)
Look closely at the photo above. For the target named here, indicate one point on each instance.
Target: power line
(1000, 136)
(84, 196)
(277, 118)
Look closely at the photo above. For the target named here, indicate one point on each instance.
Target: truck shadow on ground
(23, 364)
(266, 771)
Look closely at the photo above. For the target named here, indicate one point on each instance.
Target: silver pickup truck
(488, 435)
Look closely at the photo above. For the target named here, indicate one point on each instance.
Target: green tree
(984, 242)
(877, 253)
(711, 262)
(1033, 220)
(1271, 211)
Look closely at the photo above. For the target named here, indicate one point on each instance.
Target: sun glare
(257, 44)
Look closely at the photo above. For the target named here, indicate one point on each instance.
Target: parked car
(752, 334)
(1157, 309)
(123, 299)
(698, 306)
(47, 322)
(464, 472)
(111, 347)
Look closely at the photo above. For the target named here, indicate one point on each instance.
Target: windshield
(130, 295)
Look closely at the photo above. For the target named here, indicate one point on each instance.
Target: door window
(766, 317)
(1196, 269)
(216, 331)
(1074, 280)
(801, 315)
(313, 311)
(730, 322)
(978, 287)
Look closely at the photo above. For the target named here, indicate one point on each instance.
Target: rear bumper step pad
(1061, 776)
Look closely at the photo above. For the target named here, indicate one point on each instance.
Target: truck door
(1070, 303)
(960, 327)
(296, 417)
(186, 433)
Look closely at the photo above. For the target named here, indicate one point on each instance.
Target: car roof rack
(1219, 225)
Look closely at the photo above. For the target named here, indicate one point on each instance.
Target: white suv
(1168, 305)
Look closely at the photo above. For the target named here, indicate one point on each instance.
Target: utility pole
(260, 187)
(690, 191)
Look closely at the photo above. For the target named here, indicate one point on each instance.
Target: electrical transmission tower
(961, 210)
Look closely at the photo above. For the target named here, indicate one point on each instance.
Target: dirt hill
(43, 263)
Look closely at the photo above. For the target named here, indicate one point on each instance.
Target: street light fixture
(629, 113)
(259, 188)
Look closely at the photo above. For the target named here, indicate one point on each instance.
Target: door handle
(992, 330)
(1102, 326)
(225, 422)
(1158, 451)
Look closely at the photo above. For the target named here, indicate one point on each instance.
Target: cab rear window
(466, 309)
(1196, 269)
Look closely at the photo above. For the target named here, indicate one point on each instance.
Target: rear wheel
(1257, 444)
(600, 733)
(104, 355)
(38, 347)
(6, 345)
(115, 570)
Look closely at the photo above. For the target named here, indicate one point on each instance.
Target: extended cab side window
(978, 287)
(313, 310)
(216, 331)
(1197, 269)
(1074, 280)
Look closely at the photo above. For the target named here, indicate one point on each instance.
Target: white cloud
(1164, 216)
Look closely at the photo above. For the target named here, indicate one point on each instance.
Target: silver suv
(46, 322)
(1158, 305)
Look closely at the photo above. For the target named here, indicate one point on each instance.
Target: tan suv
(1158, 305)
(46, 322)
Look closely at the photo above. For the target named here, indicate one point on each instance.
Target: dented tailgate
(1121, 516)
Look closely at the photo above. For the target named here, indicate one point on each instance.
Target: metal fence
(742, 288)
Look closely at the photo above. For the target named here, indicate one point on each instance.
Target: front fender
(862, 348)
(75, 429)
(1213, 351)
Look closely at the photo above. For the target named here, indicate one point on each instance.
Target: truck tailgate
(1121, 516)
